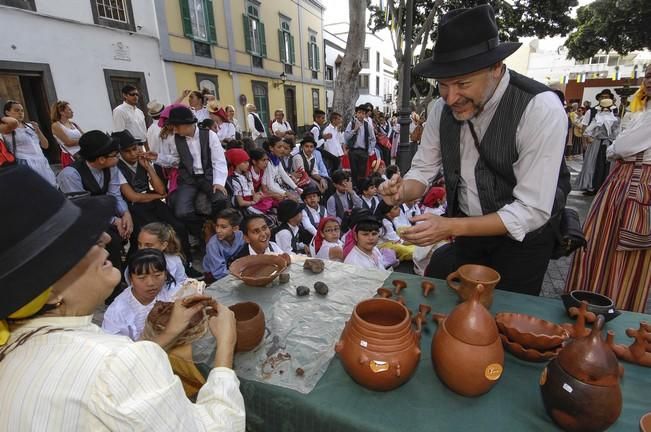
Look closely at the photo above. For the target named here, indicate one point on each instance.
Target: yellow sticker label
(378, 366)
(543, 377)
(493, 371)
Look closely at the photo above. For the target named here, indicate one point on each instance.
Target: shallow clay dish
(531, 332)
(258, 270)
(528, 354)
(645, 423)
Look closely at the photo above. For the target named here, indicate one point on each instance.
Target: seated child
(369, 197)
(289, 235)
(390, 238)
(326, 243)
(239, 179)
(257, 237)
(364, 252)
(313, 211)
(226, 242)
(305, 161)
(161, 236)
(275, 178)
(344, 200)
(150, 282)
(408, 210)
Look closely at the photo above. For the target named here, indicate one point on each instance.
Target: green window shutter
(310, 57)
(212, 33)
(263, 39)
(281, 44)
(247, 34)
(185, 18)
(317, 64)
(292, 58)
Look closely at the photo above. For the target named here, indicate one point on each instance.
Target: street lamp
(283, 78)
(405, 153)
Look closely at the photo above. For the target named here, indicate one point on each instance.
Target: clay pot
(378, 347)
(466, 350)
(580, 388)
(597, 304)
(250, 325)
(427, 287)
(258, 270)
(531, 332)
(399, 285)
(465, 280)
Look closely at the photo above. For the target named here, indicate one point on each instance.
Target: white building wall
(62, 34)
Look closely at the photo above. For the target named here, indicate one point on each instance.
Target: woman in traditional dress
(617, 260)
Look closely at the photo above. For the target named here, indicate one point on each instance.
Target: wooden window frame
(97, 19)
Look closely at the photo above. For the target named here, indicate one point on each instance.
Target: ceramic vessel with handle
(466, 278)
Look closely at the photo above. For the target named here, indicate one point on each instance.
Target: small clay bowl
(531, 332)
(597, 303)
(399, 284)
(258, 270)
(528, 354)
(645, 423)
(249, 322)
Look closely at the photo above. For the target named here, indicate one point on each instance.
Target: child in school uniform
(289, 235)
(363, 251)
(389, 238)
(326, 243)
(257, 238)
(344, 200)
(408, 210)
(369, 196)
(239, 179)
(161, 236)
(150, 282)
(226, 242)
(313, 212)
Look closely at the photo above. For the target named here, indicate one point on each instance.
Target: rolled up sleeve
(219, 167)
(540, 140)
(427, 160)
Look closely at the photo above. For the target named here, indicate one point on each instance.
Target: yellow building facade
(269, 53)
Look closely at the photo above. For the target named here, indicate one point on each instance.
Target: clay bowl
(531, 332)
(528, 354)
(645, 423)
(250, 325)
(597, 303)
(258, 270)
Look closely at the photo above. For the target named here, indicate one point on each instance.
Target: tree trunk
(346, 89)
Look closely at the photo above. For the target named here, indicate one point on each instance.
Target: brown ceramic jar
(580, 388)
(249, 321)
(466, 349)
(378, 347)
(466, 278)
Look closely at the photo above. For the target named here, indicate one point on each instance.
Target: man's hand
(119, 225)
(224, 330)
(391, 190)
(219, 188)
(429, 231)
(127, 225)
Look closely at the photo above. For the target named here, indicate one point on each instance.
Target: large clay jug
(580, 388)
(466, 349)
(378, 347)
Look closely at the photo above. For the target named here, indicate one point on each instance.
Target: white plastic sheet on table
(306, 328)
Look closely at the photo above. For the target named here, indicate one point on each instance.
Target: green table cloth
(424, 403)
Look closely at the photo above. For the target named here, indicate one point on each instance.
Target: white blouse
(633, 140)
(361, 259)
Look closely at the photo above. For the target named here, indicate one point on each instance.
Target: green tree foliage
(605, 25)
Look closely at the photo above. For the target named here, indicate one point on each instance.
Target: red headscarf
(318, 238)
(433, 197)
(234, 157)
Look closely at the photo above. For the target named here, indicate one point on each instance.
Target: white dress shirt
(316, 215)
(360, 259)
(284, 239)
(219, 167)
(283, 126)
(131, 118)
(168, 155)
(273, 248)
(201, 114)
(335, 144)
(540, 142)
(250, 121)
(273, 178)
(83, 379)
(153, 136)
(633, 140)
(316, 132)
(226, 131)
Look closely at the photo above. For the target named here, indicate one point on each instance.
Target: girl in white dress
(326, 244)
(365, 253)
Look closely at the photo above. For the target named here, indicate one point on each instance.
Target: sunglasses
(133, 94)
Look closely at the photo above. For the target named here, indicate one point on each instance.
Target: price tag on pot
(493, 371)
(363, 343)
(378, 366)
(567, 388)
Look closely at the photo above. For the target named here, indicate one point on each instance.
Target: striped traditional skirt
(604, 266)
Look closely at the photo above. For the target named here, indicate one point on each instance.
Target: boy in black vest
(499, 137)
(202, 171)
(290, 236)
(306, 160)
(96, 173)
(257, 236)
(360, 139)
(344, 200)
(145, 204)
(313, 211)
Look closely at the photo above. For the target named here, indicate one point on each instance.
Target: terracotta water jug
(580, 388)
(378, 347)
(466, 349)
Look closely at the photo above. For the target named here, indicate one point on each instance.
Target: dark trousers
(601, 169)
(194, 201)
(114, 248)
(521, 265)
(331, 161)
(385, 154)
(358, 163)
(158, 211)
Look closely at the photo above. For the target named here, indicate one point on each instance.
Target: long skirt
(584, 180)
(577, 145)
(622, 275)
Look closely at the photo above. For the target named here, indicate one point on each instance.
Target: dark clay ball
(302, 290)
(321, 288)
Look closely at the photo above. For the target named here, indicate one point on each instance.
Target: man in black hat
(590, 113)
(499, 138)
(360, 140)
(202, 170)
(96, 173)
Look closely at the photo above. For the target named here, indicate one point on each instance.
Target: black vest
(295, 237)
(88, 181)
(339, 206)
(494, 169)
(138, 180)
(308, 166)
(310, 216)
(186, 173)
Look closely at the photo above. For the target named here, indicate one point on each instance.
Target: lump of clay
(315, 265)
(321, 288)
(302, 290)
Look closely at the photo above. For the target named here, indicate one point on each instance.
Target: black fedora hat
(181, 115)
(308, 137)
(124, 139)
(467, 42)
(287, 209)
(42, 239)
(96, 143)
(309, 190)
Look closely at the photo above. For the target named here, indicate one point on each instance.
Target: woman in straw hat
(58, 371)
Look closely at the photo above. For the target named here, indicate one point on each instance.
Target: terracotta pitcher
(378, 347)
(466, 349)
(250, 325)
(466, 278)
(580, 388)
